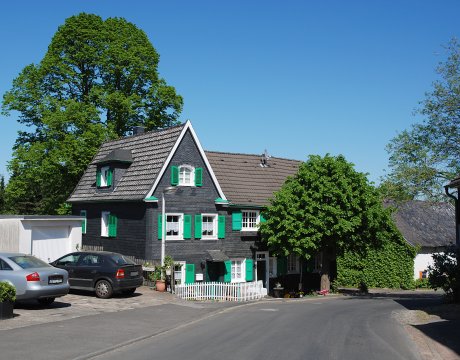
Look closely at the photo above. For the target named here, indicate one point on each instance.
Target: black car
(101, 271)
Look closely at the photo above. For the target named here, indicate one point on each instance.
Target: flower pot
(160, 285)
(6, 310)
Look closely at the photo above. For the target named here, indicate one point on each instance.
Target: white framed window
(292, 264)
(238, 270)
(186, 175)
(179, 272)
(105, 223)
(272, 270)
(174, 227)
(250, 220)
(105, 176)
(209, 226)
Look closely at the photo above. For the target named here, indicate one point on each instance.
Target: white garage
(46, 237)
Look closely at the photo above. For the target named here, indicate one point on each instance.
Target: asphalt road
(341, 328)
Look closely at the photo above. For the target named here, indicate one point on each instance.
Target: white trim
(243, 270)
(181, 227)
(182, 271)
(188, 126)
(192, 175)
(214, 227)
(265, 259)
(256, 227)
(105, 223)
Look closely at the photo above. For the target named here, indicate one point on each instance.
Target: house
(426, 225)
(213, 203)
(46, 237)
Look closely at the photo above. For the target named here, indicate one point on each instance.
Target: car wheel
(128, 291)
(104, 289)
(46, 301)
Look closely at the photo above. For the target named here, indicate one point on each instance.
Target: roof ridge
(231, 153)
(143, 134)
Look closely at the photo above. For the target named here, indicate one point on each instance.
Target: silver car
(33, 278)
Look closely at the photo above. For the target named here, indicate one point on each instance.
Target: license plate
(134, 273)
(55, 280)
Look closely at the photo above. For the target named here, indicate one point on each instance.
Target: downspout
(457, 215)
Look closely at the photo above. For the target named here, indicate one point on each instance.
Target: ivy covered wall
(390, 265)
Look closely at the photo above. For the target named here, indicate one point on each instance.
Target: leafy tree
(327, 206)
(425, 157)
(445, 273)
(96, 82)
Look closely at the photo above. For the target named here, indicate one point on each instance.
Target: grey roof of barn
(242, 178)
(424, 223)
(244, 181)
(149, 151)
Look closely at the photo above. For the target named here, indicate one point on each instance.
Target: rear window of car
(121, 260)
(27, 262)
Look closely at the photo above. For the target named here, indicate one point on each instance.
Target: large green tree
(427, 156)
(327, 206)
(97, 81)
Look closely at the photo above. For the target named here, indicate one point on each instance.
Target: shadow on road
(436, 319)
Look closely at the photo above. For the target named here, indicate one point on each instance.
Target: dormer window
(186, 175)
(104, 177)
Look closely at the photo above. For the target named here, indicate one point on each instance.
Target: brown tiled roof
(149, 152)
(244, 181)
(425, 223)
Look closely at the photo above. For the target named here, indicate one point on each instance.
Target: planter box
(6, 310)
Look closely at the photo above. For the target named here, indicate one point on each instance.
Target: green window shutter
(189, 273)
(221, 226)
(228, 271)
(249, 270)
(109, 177)
(160, 226)
(281, 265)
(98, 178)
(198, 222)
(113, 225)
(237, 220)
(83, 223)
(262, 218)
(198, 177)
(174, 175)
(187, 226)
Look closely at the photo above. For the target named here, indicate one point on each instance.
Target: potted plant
(7, 299)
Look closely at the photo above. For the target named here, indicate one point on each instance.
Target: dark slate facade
(130, 199)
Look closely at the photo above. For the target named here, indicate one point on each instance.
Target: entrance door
(262, 267)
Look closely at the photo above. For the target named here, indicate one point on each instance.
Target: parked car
(101, 271)
(33, 278)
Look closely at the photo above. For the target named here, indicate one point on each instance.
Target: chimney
(137, 130)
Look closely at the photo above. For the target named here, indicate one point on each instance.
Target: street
(310, 328)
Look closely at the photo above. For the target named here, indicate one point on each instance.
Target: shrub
(7, 292)
(445, 273)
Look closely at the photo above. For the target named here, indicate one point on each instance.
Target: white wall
(421, 263)
(9, 235)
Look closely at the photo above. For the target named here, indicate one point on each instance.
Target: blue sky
(293, 77)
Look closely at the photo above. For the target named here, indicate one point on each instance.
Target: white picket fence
(221, 291)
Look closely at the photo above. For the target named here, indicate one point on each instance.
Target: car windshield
(121, 260)
(27, 262)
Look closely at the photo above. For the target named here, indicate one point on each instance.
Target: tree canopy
(97, 81)
(427, 156)
(327, 204)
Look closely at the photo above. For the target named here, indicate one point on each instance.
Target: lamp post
(163, 222)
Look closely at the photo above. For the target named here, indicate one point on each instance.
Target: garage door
(50, 242)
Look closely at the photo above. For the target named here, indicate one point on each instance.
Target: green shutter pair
(108, 180)
(113, 220)
(220, 226)
(237, 220)
(249, 270)
(83, 223)
(187, 226)
(175, 176)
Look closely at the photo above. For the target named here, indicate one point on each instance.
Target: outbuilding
(46, 237)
